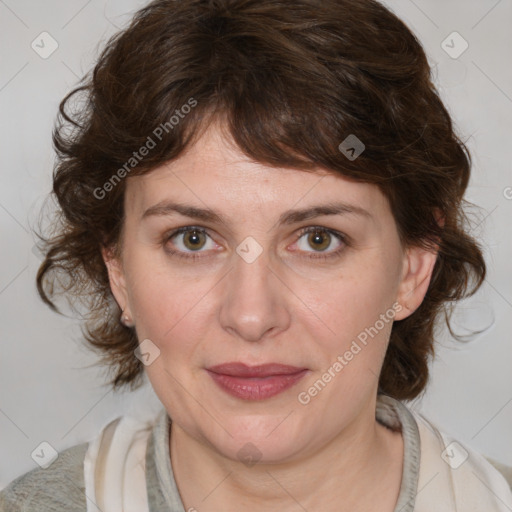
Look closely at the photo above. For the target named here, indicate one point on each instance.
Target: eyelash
(311, 229)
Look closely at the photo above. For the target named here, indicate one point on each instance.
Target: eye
(189, 242)
(321, 240)
(189, 239)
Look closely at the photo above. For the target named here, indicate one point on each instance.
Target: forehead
(214, 172)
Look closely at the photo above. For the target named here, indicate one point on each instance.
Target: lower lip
(256, 388)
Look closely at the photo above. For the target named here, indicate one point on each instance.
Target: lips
(255, 382)
(263, 370)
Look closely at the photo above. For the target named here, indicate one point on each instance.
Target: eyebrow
(165, 208)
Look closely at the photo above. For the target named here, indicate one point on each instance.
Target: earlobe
(417, 272)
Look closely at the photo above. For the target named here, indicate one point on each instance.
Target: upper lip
(235, 369)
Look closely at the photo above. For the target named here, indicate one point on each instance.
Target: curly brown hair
(291, 80)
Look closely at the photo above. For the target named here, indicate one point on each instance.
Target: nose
(255, 302)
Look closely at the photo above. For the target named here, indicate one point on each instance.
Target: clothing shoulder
(54, 489)
(505, 470)
(457, 475)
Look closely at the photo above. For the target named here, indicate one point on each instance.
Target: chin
(257, 439)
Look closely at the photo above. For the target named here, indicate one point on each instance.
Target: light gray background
(47, 393)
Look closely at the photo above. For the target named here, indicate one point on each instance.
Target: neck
(358, 469)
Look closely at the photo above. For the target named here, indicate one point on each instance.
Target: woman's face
(256, 284)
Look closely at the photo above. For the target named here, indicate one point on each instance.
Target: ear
(417, 271)
(116, 279)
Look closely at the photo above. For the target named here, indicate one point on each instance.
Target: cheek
(166, 304)
(352, 299)
(353, 319)
(351, 328)
(171, 314)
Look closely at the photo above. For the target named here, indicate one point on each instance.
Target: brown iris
(194, 239)
(319, 240)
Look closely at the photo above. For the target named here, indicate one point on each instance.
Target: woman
(262, 210)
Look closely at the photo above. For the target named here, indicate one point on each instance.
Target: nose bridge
(254, 303)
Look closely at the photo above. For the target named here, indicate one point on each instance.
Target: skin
(287, 306)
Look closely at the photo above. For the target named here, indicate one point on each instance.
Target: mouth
(255, 382)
